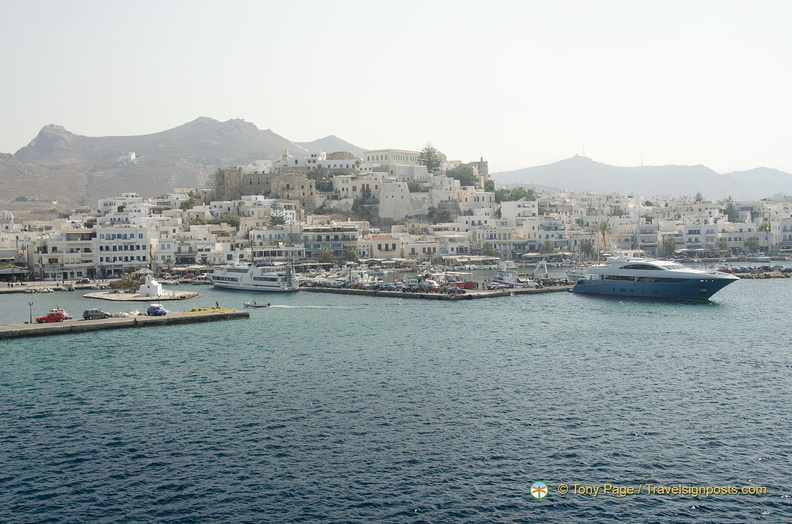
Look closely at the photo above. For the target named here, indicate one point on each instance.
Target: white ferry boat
(626, 276)
(265, 277)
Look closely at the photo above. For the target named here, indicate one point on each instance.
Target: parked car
(428, 285)
(90, 314)
(84, 281)
(156, 310)
(53, 316)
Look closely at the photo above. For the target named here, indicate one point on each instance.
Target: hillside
(580, 173)
(79, 170)
(75, 170)
(331, 144)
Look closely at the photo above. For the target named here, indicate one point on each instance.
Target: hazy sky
(520, 83)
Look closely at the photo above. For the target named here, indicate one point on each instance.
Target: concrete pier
(83, 326)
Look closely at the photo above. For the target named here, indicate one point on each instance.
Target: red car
(53, 316)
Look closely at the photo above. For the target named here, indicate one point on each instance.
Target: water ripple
(393, 411)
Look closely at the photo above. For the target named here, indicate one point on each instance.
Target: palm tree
(604, 231)
(587, 251)
(325, 256)
(668, 247)
(752, 244)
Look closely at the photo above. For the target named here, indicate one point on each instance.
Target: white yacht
(626, 276)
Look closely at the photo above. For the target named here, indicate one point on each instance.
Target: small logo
(538, 490)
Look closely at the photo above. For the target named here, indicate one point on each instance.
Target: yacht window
(641, 266)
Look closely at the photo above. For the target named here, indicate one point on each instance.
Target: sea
(346, 409)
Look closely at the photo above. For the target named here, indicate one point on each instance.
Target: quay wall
(83, 326)
(468, 295)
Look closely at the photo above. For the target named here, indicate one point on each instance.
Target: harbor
(469, 294)
(414, 384)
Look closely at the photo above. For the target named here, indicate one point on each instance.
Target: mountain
(79, 170)
(580, 173)
(331, 144)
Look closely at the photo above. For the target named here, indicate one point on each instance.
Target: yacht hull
(692, 289)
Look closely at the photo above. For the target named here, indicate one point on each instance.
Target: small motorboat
(253, 303)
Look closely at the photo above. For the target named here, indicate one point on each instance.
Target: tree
(764, 226)
(752, 244)
(366, 207)
(187, 204)
(489, 250)
(548, 247)
(668, 247)
(587, 250)
(730, 210)
(350, 254)
(698, 198)
(319, 173)
(489, 185)
(430, 157)
(276, 221)
(229, 218)
(465, 175)
(277, 214)
(169, 263)
(323, 182)
(415, 186)
(324, 185)
(617, 212)
(721, 244)
(439, 216)
(515, 193)
(325, 256)
(127, 284)
(604, 230)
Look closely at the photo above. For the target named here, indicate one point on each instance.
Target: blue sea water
(334, 408)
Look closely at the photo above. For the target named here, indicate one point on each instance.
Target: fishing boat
(263, 277)
(507, 277)
(627, 276)
(253, 303)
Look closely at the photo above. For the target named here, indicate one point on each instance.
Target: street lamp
(30, 305)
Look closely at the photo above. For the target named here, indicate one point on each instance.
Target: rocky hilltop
(79, 170)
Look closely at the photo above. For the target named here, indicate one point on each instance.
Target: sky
(519, 83)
